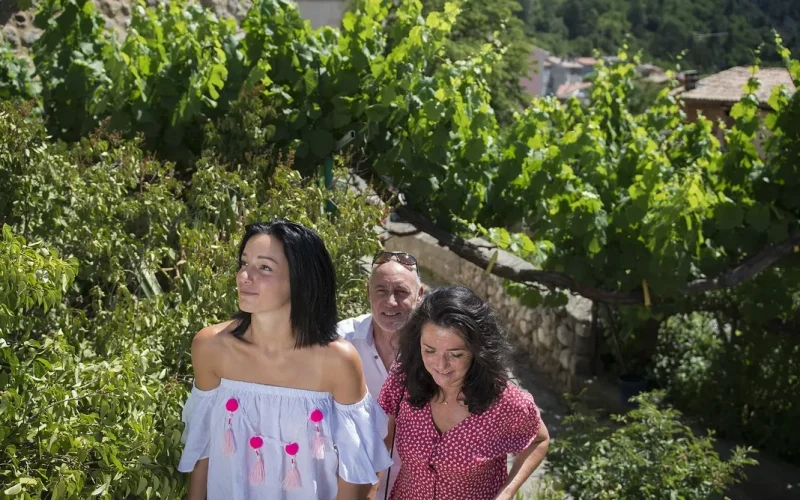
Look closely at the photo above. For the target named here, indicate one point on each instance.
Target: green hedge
(646, 454)
(742, 381)
(94, 350)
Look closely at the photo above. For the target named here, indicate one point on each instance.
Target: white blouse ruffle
(353, 434)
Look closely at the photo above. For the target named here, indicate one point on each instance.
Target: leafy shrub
(618, 201)
(743, 382)
(69, 61)
(16, 74)
(94, 349)
(30, 275)
(76, 422)
(651, 455)
(246, 132)
(168, 75)
(613, 199)
(546, 489)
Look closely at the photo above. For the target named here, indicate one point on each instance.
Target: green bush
(650, 455)
(30, 275)
(546, 489)
(742, 381)
(168, 75)
(16, 74)
(94, 349)
(76, 422)
(69, 61)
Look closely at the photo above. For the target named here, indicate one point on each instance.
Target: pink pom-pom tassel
(318, 447)
(257, 471)
(229, 443)
(292, 479)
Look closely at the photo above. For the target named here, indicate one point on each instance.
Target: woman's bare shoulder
(343, 371)
(209, 348)
(214, 332)
(341, 350)
(208, 341)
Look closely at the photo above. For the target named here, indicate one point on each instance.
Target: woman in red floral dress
(455, 413)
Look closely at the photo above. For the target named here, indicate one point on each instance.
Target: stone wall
(559, 341)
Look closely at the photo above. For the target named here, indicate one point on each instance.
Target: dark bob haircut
(459, 308)
(312, 282)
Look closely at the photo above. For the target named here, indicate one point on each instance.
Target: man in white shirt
(394, 290)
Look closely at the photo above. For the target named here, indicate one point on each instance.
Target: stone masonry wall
(559, 341)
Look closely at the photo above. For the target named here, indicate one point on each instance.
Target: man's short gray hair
(417, 278)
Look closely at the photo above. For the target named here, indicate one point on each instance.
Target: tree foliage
(497, 23)
(612, 204)
(625, 199)
(31, 275)
(69, 62)
(715, 34)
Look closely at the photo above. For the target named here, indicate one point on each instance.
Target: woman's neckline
(439, 432)
(269, 389)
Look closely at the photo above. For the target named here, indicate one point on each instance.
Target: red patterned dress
(468, 461)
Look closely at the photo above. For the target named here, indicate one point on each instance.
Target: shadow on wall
(7, 9)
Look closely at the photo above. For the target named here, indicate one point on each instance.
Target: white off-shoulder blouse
(279, 443)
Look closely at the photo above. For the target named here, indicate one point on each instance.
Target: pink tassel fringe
(292, 480)
(229, 444)
(318, 447)
(257, 472)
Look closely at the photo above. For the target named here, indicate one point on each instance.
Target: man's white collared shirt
(358, 331)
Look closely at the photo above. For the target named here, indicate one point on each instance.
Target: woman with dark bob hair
(275, 389)
(454, 413)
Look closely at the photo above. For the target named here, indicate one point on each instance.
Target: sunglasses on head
(403, 258)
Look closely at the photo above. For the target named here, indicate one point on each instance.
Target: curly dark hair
(459, 308)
